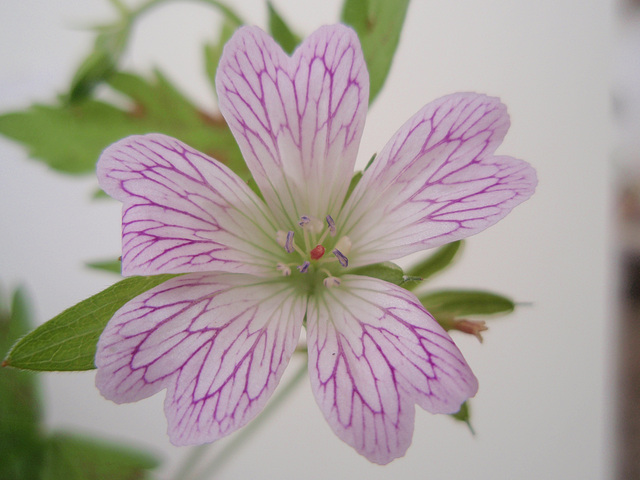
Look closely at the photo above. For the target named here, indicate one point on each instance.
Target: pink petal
(374, 352)
(183, 211)
(218, 343)
(436, 181)
(298, 120)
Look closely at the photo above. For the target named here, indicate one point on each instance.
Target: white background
(544, 409)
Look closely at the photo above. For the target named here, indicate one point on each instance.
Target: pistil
(315, 232)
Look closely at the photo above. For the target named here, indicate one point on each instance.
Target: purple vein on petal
(374, 352)
(184, 211)
(436, 181)
(218, 342)
(298, 126)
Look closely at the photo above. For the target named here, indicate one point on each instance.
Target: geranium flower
(257, 269)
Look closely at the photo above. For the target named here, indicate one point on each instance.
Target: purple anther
(304, 267)
(332, 226)
(288, 244)
(304, 219)
(344, 261)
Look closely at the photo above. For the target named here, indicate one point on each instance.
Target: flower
(255, 270)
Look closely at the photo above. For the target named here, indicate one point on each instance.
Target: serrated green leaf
(70, 138)
(387, 271)
(436, 262)
(67, 138)
(464, 415)
(280, 31)
(20, 413)
(379, 24)
(68, 341)
(113, 266)
(462, 303)
(77, 457)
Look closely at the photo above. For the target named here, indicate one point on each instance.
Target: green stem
(237, 441)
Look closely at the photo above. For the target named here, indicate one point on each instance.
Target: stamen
(311, 224)
(317, 252)
(286, 271)
(304, 219)
(344, 261)
(332, 225)
(331, 282)
(304, 267)
(288, 245)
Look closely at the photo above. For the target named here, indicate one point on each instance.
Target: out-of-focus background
(549, 376)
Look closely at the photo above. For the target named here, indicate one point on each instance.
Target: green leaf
(387, 271)
(436, 262)
(378, 24)
(20, 412)
(76, 457)
(68, 341)
(70, 138)
(280, 31)
(113, 266)
(461, 303)
(464, 415)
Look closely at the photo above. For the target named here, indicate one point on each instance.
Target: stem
(222, 456)
(191, 461)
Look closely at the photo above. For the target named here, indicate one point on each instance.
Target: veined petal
(184, 211)
(374, 352)
(298, 120)
(436, 181)
(218, 343)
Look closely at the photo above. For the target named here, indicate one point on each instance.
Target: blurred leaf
(213, 52)
(101, 62)
(70, 138)
(379, 24)
(159, 107)
(20, 415)
(113, 266)
(387, 271)
(280, 31)
(436, 262)
(462, 303)
(68, 341)
(464, 415)
(76, 457)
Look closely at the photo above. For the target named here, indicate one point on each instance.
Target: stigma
(310, 239)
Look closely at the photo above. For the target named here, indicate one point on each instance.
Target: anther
(304, 267)
(286, 271)
(311, 224)
(344, 261)
(331, 282)
(304, 219)
(332, 225)
(288, 244)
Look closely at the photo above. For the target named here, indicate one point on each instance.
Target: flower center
(310, 240)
